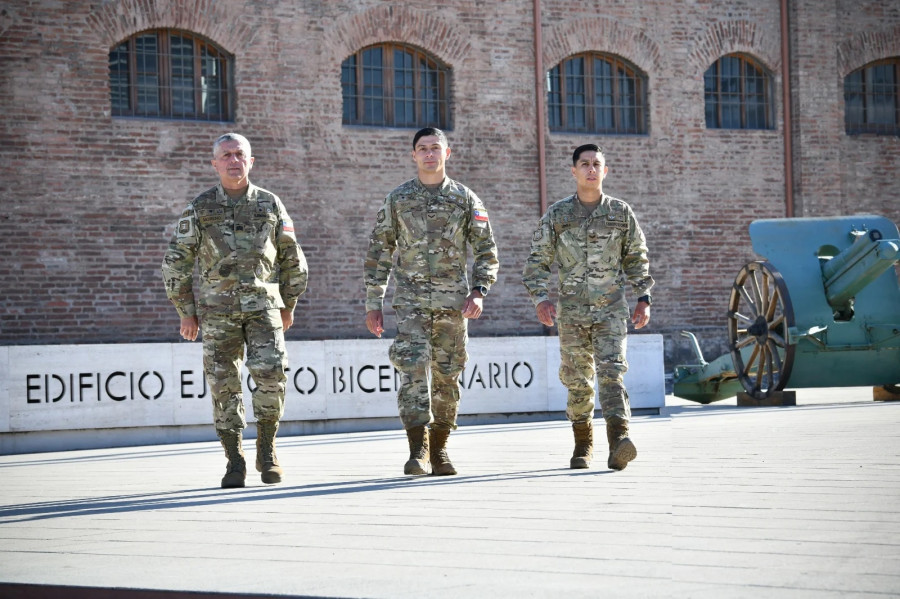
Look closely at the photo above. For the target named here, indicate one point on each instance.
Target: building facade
(110, 109)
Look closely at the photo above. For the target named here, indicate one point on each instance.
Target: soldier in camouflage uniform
(598, 246)
(252, 271)
(430, 221)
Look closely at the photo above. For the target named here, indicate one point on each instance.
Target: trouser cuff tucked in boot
(621, 448)
(584, 445)
(418, 450)
(266, 459)
(236, 470)
(440, 461)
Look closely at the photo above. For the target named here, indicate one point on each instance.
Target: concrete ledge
(54, 398)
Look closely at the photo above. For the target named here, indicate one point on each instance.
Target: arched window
(170, 74)
(395, 85)
(597, 93)
(738, 93)
(872, 98)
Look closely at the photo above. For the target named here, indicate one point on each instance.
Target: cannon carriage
(820, 309)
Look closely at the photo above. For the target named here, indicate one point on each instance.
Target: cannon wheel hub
(759, 315)
(759, 329)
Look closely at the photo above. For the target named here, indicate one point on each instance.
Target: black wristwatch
(480, 289)
(646, 299)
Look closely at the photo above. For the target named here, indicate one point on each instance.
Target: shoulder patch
(185, 228)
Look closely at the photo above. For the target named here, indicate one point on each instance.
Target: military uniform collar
(442, 190)
(602, 207)
(224, 199)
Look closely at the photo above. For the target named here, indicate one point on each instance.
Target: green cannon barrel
(853, 269)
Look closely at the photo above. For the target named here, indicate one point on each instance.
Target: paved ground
(722, 502)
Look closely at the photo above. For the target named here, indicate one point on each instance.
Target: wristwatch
(480, 289)
(646, 299)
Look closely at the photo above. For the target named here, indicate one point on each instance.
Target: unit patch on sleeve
(185, 227)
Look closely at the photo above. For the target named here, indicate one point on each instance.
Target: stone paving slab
(722, 502)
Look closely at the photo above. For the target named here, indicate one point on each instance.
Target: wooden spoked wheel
(759, 315)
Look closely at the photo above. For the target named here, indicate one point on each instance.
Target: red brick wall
(89, 201)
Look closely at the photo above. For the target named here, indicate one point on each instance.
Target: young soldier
(598, 245)
(430, 221)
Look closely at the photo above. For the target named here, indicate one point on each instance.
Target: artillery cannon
(822, 309)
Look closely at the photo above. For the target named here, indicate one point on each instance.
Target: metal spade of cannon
(822, 309)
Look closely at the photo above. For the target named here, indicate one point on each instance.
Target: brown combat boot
(418, 451)
(584, 445)
(236, 470)
(621, 449)
(440, 461)
(266, 460)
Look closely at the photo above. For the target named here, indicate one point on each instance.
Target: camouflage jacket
(247, 255)
(596, 253)
(430, 233)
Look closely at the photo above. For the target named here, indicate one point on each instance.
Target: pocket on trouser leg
(449, 359)
(267, 362)
(413, 396)
(614, 401)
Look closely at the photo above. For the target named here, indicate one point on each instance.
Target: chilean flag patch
(480, 215)
(287, 227)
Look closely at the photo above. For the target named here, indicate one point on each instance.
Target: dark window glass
(170, 74)
(871, 98)
(119, 78)
(349, 90)
(597, 93)
(182, 61)
(395, 85)
(737, 93)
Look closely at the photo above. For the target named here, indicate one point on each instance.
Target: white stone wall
(91, 387)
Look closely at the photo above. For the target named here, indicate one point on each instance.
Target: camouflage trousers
(224, 338)
(430, 354)
(588, 351)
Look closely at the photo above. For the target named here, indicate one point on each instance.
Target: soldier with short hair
(598, 245)
(252, 271)
(430, 221)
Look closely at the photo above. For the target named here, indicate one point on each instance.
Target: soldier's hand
(472, 307)
(546, 312)
(375, 322)
(190, 326)
(641, 316)
(287, 318)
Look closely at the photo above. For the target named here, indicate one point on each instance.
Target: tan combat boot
(266, 460)
(236, 470)
(440, 461)
(621, 449)
(584, 445)
(418, 451)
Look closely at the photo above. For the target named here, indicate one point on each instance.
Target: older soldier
(598, 245)
(430, 221)
(252, 271)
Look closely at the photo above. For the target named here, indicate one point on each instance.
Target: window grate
(597, 93)
(872, 99)
(170, 74)
(395, 85)
(738, 94)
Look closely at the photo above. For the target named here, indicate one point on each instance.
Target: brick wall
(89, 201)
